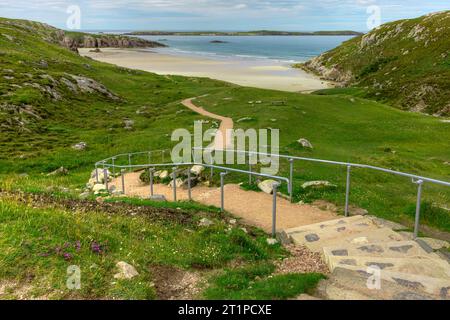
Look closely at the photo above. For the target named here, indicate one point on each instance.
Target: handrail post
(123, 180)
(274, 209)
(96, 173)
(189, 185)
(291, 179)
(174, 176)
(347, 191)
(113, 159)
(418, 205)
(222, 191)
(150, 172)
(105, 176)
(129, 162)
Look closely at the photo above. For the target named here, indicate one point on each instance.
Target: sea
(288, 49)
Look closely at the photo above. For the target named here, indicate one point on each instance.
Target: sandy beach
(259, 73)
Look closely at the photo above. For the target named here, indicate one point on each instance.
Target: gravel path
(223, 136)
(255, 208)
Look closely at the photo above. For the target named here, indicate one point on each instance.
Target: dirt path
(223, 136)
(254, 208)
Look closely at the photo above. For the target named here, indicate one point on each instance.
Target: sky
(228, 15)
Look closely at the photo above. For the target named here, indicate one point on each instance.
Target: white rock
(360, 240)
(179, 183)
(271, 241)
(305, 143)
(126, 271)
(99, 187)
(233, 221)
(80, 146)
(205, 222)
(267, 186)
(310, 184)
(101, 175)
(164, 174)
(197, 170)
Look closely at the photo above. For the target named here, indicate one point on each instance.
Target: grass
(256, 282)
(35, 242)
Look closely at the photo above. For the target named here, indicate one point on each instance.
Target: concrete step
(326, 224)
(371, 234)
(346, 284)
(418, 266)
(398, 249)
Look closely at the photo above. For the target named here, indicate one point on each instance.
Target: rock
(43, 64)
(305, 143)
(205, 223)
(84, 195)
(271, 242)
(357, 211)
(197, 170)
(360, 240)
(80, 146)
(98, 188)
(318, 184)
(232, 221)
(101, 175)
(164, 174)
(244, 119)
(59, 172)
(128, 124)
(158, 198)
(88, 85)
(178, 183)
(267, 186)
(126, 271)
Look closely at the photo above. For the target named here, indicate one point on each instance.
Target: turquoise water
(282, 48)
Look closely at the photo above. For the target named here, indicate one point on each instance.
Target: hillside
(405, 63)
(74, 40)
(52, 98)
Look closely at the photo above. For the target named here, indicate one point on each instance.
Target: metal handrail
(416, 179)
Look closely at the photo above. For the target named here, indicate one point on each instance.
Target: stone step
(316, 242)
(326, 224)
(347, 284)
(398, 249)
(419, 266)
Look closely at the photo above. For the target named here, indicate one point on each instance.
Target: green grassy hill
(405, 63)
(51, 98)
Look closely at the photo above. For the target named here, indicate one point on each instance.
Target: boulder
(59, 172)
(271, 241)
(80, 146)
(164, 174)
(197, 170)
(98, 187)
(128, 124)
(267, 186)
(126, 271)
(318, 184)
(305, 143)
(101, 176)
(179, 183)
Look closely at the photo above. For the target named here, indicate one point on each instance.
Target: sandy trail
(222, 140)
(254, 208)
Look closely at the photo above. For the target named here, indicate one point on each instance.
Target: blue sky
(299, 15)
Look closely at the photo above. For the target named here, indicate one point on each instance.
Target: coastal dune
(259, 73)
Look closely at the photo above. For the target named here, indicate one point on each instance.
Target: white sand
(264, 74)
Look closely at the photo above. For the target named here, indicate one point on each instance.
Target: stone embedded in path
(312, 237)
(126, 271)
(267, 186)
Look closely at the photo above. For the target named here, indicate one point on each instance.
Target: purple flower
(97, 247)
(78, 245)
(67, 256)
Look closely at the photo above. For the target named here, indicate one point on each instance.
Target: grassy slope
(405, 63)
(340, 127)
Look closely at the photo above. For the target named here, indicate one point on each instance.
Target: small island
(218, 41)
